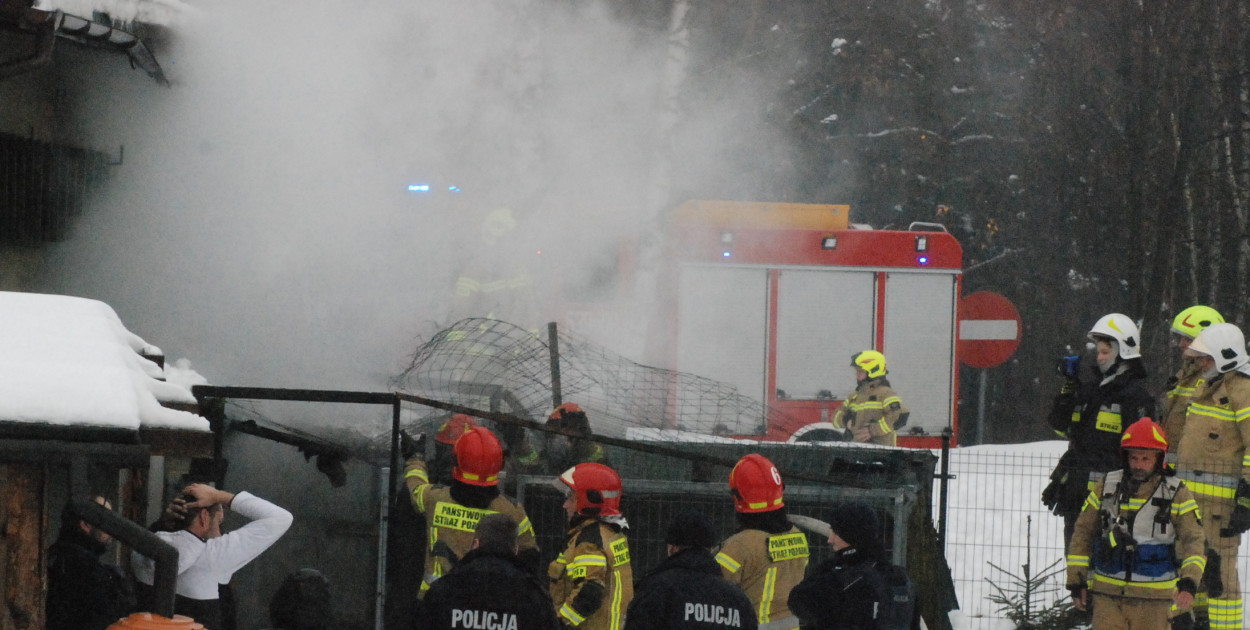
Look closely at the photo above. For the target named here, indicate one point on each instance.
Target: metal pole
(945, 478)
(981, 407)
(553, 343)
(386, 489)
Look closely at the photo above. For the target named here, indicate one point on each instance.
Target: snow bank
(70, 361)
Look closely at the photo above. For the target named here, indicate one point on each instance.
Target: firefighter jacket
(687, 592)
(488, 591)
(1093, 417)
(1175, 404)
(853, 590)
(1137, 542)
(766, 566)
(592, 581)
(875, 406)
(1212, 455)
(451, 524)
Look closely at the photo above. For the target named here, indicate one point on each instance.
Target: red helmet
(454, 428)
(569, 416)
(479, 458)
(1144, 433)
(596, 489)
(756, 485)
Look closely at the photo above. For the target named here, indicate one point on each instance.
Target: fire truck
(775, 298)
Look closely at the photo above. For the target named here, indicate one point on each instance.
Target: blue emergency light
(418, 188)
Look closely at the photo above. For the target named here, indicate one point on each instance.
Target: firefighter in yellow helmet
(873, 412)
(767, 556)
(1214, 461)
(592, 581)
(1185, 327)
(451, 512)
(1138, 543)
(497, 282)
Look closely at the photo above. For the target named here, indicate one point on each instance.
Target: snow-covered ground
(996, 516)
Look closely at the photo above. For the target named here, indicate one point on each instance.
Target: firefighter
(445, 444)
(873, 412)
(687, 591)
(592, 581)
(562, 451)
(767, 556)
(1213, 459)
(1093, 416)
(498, 280)
(1187, 324)
(1138, 544)
(452, 512)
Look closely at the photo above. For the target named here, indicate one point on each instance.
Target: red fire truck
(775, 298)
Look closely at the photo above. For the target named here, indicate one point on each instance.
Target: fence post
(944, 479)
(553, 344)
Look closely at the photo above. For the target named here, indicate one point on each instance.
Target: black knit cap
(857, 524)
(691, 529)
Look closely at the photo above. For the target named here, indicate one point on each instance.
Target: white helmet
(1121, 328)
(1225, 343)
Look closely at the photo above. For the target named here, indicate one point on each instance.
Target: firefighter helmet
(1195, 319)
(1223, 342)
(454, 428)
(870, 361)
(569, 416)
(596, 489)
(1144, 433)
(756, 485)
(1120, 328)
(479, 458)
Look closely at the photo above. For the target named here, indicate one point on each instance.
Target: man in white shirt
(206, 557)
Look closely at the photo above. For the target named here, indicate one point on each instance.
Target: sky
(261, 225)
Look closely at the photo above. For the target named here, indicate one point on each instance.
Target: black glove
(411, 447)
(1239, 522)
(1183, 621)
(1212, 580)
(1050, 495)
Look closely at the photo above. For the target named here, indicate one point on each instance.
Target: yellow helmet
(1195, 319)
(870, 361)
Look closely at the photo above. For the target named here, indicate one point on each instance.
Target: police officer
(686, 591)
(490, 589)
(452, 512)
(768, 555)
(873, 412)
(1185, 327)
(1093, 415)
(857, 587)
(592, 581)
(1138, 544)
(1214, 461)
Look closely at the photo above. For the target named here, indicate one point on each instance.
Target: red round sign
(989, 329)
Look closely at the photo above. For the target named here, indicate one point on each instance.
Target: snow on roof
(70, 361)
(160, 12)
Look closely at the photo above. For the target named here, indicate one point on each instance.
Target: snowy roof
(160, 12)
(68, 361)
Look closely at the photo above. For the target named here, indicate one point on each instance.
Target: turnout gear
(488, 590)
(1195, 319)
(479, 458)
(870, 361)
(592, 581)
(1139, 543)
(1212, 459)
(766, 566)
(686, 592)
(451, 513)
(1093, 416)
(756, 485)
(872, 413)
(596, 489)
(1121, 328)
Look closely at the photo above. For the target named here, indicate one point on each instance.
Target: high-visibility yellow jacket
(766, 566)
(592, 581)
(1160, 539)
(451, 525)
(1175, 404)
(1212, 455)
(874, 405)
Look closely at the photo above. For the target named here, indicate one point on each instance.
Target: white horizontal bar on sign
(988, 329)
